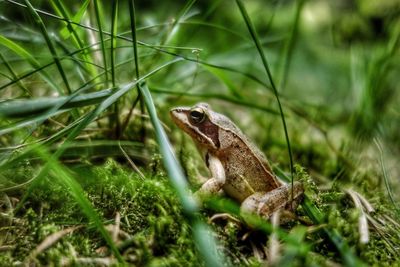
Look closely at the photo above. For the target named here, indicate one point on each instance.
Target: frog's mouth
(180, 117)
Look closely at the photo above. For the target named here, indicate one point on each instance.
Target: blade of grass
(178, 19)
(257, 43)
(28, 121)
(99, 15)
(50, 45)
(70, 30)
(132, 17)
(81, 68)
(23, 108)
(114, 116)
(174, 171)
(114, 20)
(39, 119)
(205, 242)
(10, 161)
(21, 52)
(14, 75)
(38, 68)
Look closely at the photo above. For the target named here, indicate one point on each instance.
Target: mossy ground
(152, 229)
(153, 232)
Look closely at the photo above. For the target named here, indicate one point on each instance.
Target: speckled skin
(236, 165)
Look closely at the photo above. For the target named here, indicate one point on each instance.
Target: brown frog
(237, 166)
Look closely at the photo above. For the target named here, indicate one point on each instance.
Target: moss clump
(153, 232)
(152, 229)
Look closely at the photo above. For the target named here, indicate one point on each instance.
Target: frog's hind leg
(265, 204)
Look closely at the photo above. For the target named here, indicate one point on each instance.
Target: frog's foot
(224, 216)
(265, 204)
(201, 179)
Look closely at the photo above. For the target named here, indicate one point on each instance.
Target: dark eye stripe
(210, 130)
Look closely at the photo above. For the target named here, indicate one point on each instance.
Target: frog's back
(246, 168)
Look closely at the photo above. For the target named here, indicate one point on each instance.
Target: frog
(237, 166)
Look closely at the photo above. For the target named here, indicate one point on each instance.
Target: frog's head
(199, 122)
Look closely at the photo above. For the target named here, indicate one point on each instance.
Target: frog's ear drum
(197, 115)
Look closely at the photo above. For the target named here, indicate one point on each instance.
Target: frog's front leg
(217, 180)
(266, 203)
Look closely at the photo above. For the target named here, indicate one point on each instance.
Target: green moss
(155, 231)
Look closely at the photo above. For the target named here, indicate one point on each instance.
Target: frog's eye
(197, 116)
